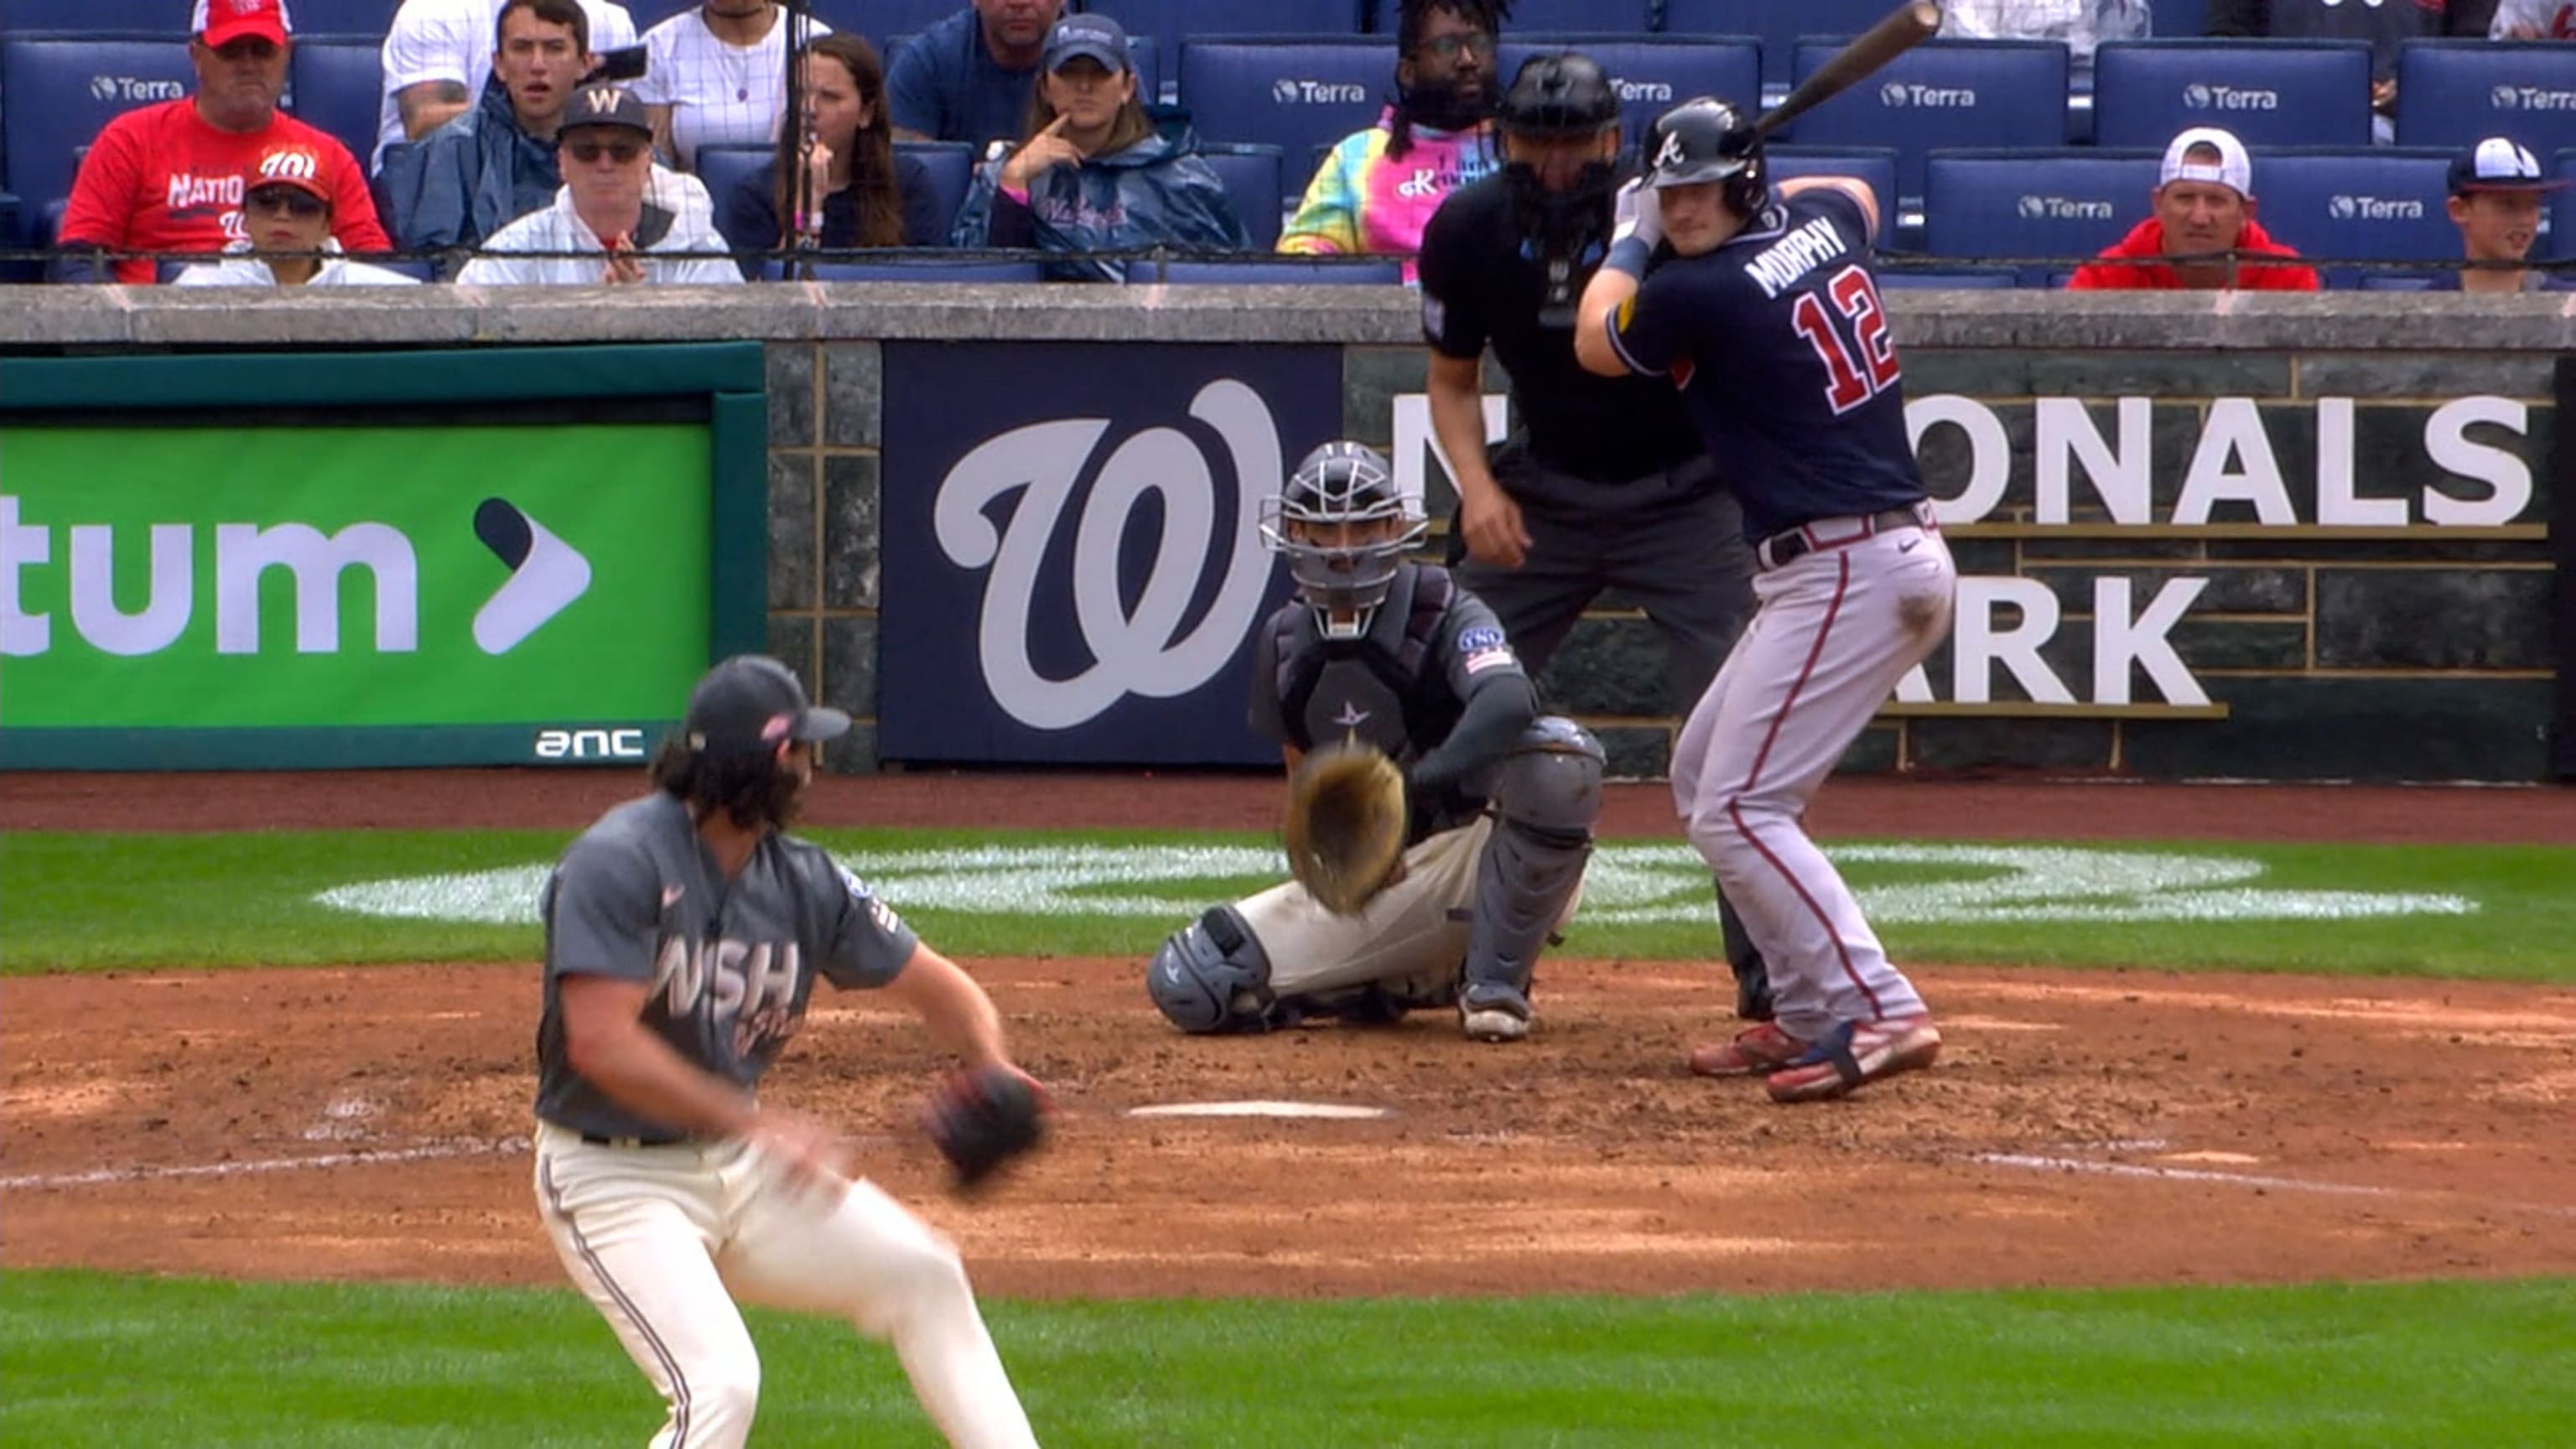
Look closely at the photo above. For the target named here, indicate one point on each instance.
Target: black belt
(1783, 548)
(596, 1140)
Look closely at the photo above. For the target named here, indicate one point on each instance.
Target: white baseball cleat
(1493, 1024)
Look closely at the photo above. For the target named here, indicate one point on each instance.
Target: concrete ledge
(36, 318)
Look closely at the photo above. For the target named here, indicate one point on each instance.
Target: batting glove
(1639, 214)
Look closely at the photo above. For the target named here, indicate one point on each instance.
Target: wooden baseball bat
(1908, 26)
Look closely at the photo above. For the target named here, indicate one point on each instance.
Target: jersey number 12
(1859, 357)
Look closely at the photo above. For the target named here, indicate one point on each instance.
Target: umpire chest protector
(1386, 687)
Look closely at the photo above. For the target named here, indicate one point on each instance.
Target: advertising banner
(282, 593)
(1072, 564)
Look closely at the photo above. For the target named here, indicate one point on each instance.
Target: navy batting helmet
(1705, 139)
(1338, 485)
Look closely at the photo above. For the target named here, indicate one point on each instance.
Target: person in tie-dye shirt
(1376, 190)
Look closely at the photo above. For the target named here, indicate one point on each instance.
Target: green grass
(89, 902)
(135, 1363)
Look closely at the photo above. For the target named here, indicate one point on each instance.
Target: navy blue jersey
(1779, 344)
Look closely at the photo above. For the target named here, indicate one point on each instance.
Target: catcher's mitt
(982, 1119)
(1344, 828)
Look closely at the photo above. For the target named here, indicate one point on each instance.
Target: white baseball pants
(664, 1240)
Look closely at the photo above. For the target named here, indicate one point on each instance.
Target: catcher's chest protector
(1385, 689)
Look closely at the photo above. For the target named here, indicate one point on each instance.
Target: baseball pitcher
(684, 933)
(1393, 654)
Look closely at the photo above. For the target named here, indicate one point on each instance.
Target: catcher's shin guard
(1546, 797)
(1212, 976)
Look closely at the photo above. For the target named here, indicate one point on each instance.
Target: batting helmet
(1340, 569)
(1705, 139)
(1559, 95)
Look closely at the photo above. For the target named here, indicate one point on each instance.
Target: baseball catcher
(1491, 804)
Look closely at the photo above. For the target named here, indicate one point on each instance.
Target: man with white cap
(2203, 211)
(2495, 188)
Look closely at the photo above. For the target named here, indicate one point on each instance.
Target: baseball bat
(1907, 26)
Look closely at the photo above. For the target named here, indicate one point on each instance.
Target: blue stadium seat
(722, 168)
(1292, 92)
(1653, 73)
(927, 269)
(1942, 93)
(1277, 272)
(2269, 92)
(2374, 204)
(1934, 279)
(1873, 164)
(2559, 239)
(63, 91)
(1780, 23)
(951, 165)
(337, 84)
(94, 17)
(1173, 22)
(2454, 92)
(1256, 182)
(1613, 17)
(2069, 203)
(2396, 282)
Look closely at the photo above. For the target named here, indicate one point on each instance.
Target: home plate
(1257, 1109)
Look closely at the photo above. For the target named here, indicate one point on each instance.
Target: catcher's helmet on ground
(1339, 491)
(1705, 139)
(1565, 95)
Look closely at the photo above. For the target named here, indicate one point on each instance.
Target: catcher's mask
(1345, 531)
(1705, 139)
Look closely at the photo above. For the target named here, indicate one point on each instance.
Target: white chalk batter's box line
(1626, 882)
(427, 1152)
(2267, 1182)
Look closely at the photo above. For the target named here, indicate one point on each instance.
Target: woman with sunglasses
(287, 212)
(1094, 175)
(1376, 190)
(858, 191)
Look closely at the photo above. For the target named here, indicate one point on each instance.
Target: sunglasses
(303, 206)
(621, 152)
(1449, 47)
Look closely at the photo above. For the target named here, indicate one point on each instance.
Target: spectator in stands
(288, 211)
(496, 163)
(1094, 174)
(969, 77)
(2532, 20)
(2386, 25)
(2204, 210)
(2080, 24)
(606, 150)
(168, 177)
(2496, 187)
(438, 55)
(717, 76)
(1376, 191)
(858, 191)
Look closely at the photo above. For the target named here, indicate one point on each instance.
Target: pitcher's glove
(1345, 824)
(982, 1119)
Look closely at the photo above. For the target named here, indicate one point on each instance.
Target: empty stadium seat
(63, 91)
(1781, 24)
(1652, 74)
(2007, 203)
(2268, 92)
(1277, 272)
(1933, 279)
(926, 269)
(2374, 204)
(338, 84)
(1942, 93)
(2454, 92)
(722, 168)
(951, 165)
(2395, 282)
(1255, 181)
(1293, 92)
(1613, 17)
(2558, 235)
(1172, 22)
(1875, 165)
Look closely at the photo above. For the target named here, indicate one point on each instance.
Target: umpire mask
(1560, 101)
(1345, 531)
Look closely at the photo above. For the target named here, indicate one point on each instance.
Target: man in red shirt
(2204, 208)
(168, 177)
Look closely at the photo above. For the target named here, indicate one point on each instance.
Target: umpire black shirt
(1481, 286)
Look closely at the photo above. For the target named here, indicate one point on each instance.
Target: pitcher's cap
(751, 704)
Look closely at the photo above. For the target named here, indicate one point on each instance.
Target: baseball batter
(1501, 800)
(1763, 310)
(684, 932)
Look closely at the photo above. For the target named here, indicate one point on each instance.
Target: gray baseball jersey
(1401, 686)
(731, 963)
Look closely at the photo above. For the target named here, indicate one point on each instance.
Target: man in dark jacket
(496, 163)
